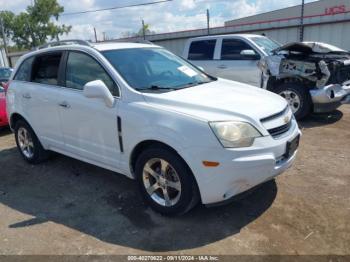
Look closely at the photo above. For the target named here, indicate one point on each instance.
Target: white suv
(143, 112)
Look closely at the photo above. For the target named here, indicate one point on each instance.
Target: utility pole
(95, 35)
(3, 36)
(301, 36)
(104, 36)
(208, 22)
(143, 30)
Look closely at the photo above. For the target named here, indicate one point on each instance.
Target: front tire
(28, 143)
(297, 97)
(166, 182)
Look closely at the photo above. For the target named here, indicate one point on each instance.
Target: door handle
(64, 104)
(222, 66)
(27, 96)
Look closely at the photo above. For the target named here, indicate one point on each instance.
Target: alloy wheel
(161, 182)
(25, 142)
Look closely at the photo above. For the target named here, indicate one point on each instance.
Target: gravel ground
(65, 206)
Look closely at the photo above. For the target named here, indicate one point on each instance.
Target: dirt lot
(69, 207)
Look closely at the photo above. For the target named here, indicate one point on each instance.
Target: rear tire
(297, 96)
(165, 181)
(28, 143)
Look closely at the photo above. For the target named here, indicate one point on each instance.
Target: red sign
(338, 9)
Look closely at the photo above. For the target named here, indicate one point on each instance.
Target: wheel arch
(274, 82)
(193, 193)
(141, 146)
(14, 118)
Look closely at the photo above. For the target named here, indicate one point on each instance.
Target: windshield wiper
(194, 84)
(155, 87)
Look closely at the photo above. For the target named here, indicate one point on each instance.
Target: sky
(164, 17)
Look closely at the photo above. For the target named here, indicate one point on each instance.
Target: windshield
(266, 44)
(5, 73)
(147, 69)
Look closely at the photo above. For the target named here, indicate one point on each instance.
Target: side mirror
(250, 54)
(98, 89)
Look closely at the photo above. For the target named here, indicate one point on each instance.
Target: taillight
(6, 86)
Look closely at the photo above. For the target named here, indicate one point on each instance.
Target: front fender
(176, 130)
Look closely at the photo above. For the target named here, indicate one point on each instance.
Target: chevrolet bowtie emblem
(286, 119)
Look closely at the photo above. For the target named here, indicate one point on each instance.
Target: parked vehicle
(311, 76)
(141, 111)
(5, 73)
(321, 88)
(3, 114)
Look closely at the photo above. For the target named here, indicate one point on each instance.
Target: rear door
(40, 94)
(233, 64)
(89, 126)
(201, 53)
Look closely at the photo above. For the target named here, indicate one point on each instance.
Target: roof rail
(64, 42)
(142, 41)
(130, 40)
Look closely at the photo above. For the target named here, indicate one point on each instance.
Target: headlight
(234, 134)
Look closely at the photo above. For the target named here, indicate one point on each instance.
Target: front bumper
(330, 97)
(239, 169)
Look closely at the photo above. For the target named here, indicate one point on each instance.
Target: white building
(324, 21)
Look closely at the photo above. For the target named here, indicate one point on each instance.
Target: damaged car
(311, 76)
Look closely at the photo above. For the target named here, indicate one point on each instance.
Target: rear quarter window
(202, 50)
(45, 68)
(24, 71)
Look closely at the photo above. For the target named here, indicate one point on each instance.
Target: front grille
(344, 74)
(339, 75)
(265, 119)
(277, 131)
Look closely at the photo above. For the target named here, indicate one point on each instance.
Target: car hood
(309, 47)
(221, 100)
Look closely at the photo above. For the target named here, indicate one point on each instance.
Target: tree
(35, 26)
(145, 27)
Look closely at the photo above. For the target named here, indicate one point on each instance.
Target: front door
(89, 126)
(236, 65)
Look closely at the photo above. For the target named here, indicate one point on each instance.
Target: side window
(232, 48)
(45, 68)
(82, 68)
(24, 70)
(202, 50)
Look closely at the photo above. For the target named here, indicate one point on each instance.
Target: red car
(3, 116)
(5, 73)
